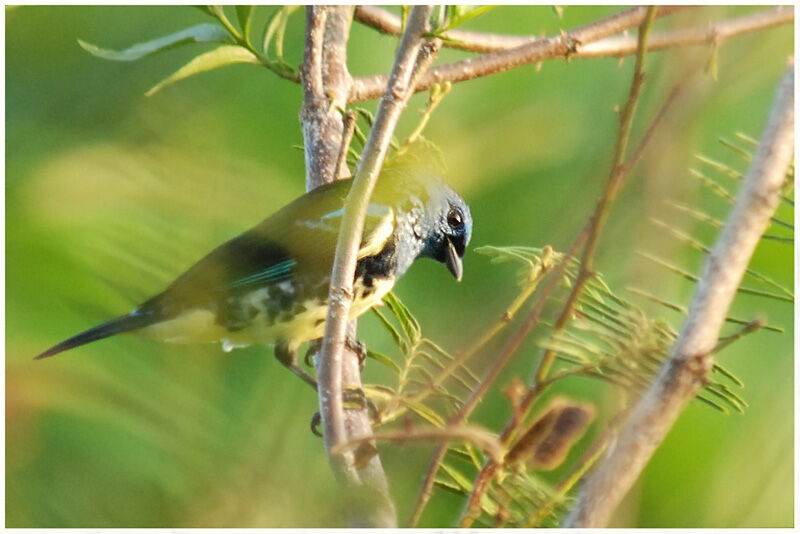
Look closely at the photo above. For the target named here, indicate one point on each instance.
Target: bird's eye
(454, 219)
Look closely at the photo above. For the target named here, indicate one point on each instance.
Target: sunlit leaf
(219, 57)
(202, 33)
(276, 27)
(464, 14)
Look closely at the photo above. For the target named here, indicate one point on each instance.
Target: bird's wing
(295, 244)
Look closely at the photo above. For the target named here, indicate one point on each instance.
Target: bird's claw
(359, 348)
(316, 421)
(358, 400)
(313, 348)
(354, 398)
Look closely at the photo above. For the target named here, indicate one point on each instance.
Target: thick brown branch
(691, 359)
(580, 43)
(322, 131)
(332, 369)
(326, 83)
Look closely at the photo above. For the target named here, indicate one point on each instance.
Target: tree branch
(617, 175)
(320, 130)
(712, 34)
(562, 45)
(508, 52)
(481, 437)
(326, 83)
(616, 178)
(387, 22)
(691, 359)
(333, 370)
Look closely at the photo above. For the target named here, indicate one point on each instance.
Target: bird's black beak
(453, 261)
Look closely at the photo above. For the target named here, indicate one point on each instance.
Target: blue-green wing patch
(275, 273)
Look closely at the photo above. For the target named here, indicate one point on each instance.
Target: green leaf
(202, 33)
(279, 36)
(407, 321)
(398, 338)
(385, 360)
(243, 13)
(219, 57)
(487, 504)
(462, 14)
(425, 413)
(276, 28)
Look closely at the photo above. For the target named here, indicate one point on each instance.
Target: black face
(453, 233)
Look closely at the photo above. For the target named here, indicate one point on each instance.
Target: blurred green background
(109, 195)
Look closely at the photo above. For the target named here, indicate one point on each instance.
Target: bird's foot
(316, 421)
(313, 348)
(288, 359)
(353, 398)
(351, 343)
(359, 348)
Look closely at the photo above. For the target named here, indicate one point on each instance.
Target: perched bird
(270, 284)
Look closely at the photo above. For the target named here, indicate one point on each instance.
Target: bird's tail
(132, 321)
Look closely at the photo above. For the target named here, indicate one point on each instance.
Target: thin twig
(706, 35)
(686, 371)
(619, 171)
(536, 275)
(500, 362)
(590, 41)
(710, 34)
(563, 45)
(481, 437)
(643, 142)
(389, 23)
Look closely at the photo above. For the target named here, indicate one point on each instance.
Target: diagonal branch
(589, 41)
(326, 83)
(617, 175)
(691, 360)
(334, 373)
(616, 178)
(387, 22)
(710, 34)
(562, 45)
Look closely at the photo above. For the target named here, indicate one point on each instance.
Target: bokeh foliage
(110, 194)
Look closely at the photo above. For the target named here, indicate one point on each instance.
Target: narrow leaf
(398, 338)
(465, 14)
(243, 13)
(384, 359)
(219, 57)
(202, 33)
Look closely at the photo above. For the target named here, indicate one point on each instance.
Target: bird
(269, 285)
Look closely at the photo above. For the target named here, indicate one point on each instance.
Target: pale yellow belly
(199, 325)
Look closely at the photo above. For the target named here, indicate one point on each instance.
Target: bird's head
(447, 227)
